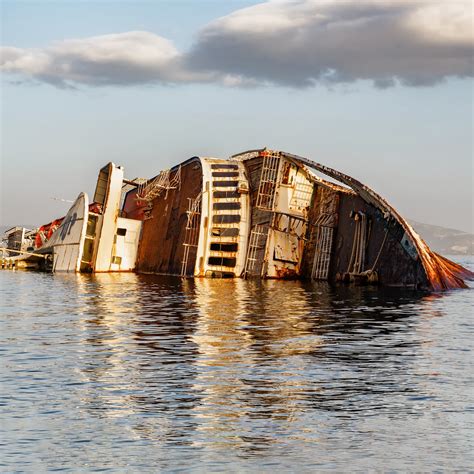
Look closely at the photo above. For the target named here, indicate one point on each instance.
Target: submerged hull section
(67, 242)
(197, 224)
(436, 273)
(224, 220)
(164, 207)
(92, 237)
(268, 214)
(258, 214)
(352, 234)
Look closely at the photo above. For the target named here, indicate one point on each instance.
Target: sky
(379, 89)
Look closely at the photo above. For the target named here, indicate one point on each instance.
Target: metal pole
(24, 252)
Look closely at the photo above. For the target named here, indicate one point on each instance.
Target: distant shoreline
(442, 240)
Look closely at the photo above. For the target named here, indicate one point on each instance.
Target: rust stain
(284, 273)
(286, 173)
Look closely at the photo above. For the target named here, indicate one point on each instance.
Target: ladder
(257, 242)
(267, 185)
(302, 195)
(163, 182)
(322, 255)
(191, 237)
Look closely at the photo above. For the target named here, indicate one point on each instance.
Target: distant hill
(441, 239)
(445, 241)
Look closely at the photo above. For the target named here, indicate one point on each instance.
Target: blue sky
(412, 143)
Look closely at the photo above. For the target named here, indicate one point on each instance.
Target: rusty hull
(161, 247)
(439, 273)
(333, 222)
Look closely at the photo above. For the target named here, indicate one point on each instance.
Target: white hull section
(225, 219)
(67, 242)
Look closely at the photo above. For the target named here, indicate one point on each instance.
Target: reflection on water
(136, 372)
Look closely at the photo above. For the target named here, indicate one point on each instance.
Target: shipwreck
(258, 214)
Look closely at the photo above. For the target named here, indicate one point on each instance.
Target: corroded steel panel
(393, 264)
(439, 273)
(161, 247)
(409, 260)
(323, 214)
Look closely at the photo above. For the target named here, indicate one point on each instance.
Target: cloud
(301, 43)
(291, 43)
(135, 57)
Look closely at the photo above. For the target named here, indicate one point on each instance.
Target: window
(226, 206)
(224, 247)
(226, 219)
(225, 232)
(224, 167)
(222, 261)
(226, 194)
(225, 174)
(225, 184)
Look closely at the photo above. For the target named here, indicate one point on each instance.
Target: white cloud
(135, 57)
(293, 43)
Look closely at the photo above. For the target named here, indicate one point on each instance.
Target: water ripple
(144, 373)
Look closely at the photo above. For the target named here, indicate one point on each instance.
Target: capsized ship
(258, 214)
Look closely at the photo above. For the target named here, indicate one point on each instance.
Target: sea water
(140, 373)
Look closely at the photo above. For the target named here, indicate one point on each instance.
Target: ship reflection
(242, 363)
(137, 362)
(106, 311)
(270, 350)
(244, 331)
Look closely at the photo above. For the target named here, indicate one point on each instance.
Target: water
(139, 373)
